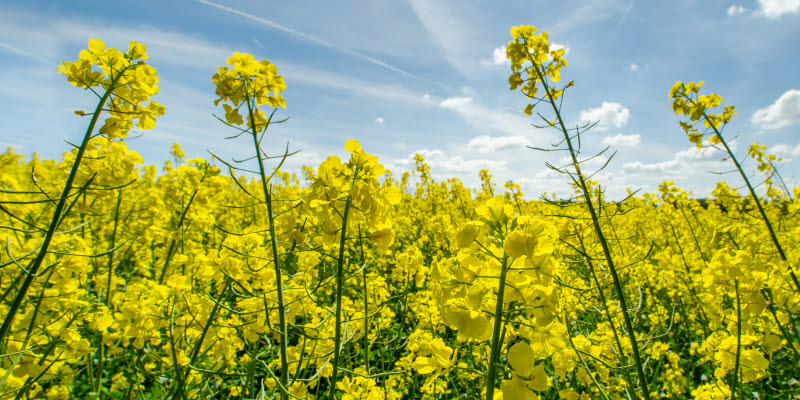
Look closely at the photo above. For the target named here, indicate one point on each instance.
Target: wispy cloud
(785, 150)
(486, 119)
(585, 14)
(311, 38)
(488, 144)
(26, 53)
(332, 80)
(447, 29)
(622, 20)
(620, 140)
(187, 51)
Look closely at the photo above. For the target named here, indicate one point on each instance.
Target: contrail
(312, 38)
(25, 53)
(621, 20)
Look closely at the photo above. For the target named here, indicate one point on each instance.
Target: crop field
(233, 279)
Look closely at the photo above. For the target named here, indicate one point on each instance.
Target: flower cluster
(249, 82)
(353, 186)
(688, 102)
(530, 52)
(129, 84)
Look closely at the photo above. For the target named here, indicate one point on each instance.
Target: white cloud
(735, 10)
(683, 164)
(663, 167)
(379, 120)
(488, 144)
(785, 150)
(777, 8)
(634, 67)
(620, 140)
(783, 112)
(455, 102)
(26, 53)
(607, 115)
(703, 153)
(498, 57)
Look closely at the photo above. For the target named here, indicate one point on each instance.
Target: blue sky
(427, 77)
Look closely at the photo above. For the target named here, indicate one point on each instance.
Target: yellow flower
(439, 359)
(133, 84)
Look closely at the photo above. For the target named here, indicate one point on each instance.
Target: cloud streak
(26, 53)
(311, 38)
(492, 120)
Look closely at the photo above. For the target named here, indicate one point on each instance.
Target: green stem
(783, 184)
(497, 340)
(282, 328)
(339, 290)
(689, 282)
(178, 372)
(366, 304)
(102, 347)
(738, 340)
(601, 238)
(198, 346)
(611, 323)
(113, 245)
(173, 242)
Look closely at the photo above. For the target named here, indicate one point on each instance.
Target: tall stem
(497, 340)
(173, 242)
(738, 340)
(600, 236)
(366, 304)
(631, 390)
(337, 338)
(282, 328)
(102, 346)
